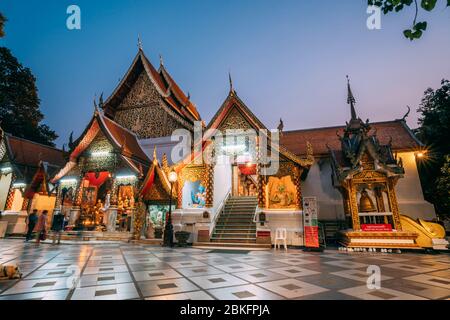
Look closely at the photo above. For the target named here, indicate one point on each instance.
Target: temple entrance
(244, 180)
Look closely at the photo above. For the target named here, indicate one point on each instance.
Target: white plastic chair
(280, 238)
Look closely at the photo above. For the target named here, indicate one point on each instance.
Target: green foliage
(2, 25)
(434, 131)
(19, 102)
(417, 28)
(443, 186)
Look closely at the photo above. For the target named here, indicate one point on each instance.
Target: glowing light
(19, 185)
(69, 180)
(100, 154)
(421, 154)
(236, 147)
(173, 177)
(126, 177)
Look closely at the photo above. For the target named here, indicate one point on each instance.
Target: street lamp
(168, 231)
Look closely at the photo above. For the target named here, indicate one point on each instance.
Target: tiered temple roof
(167, 88)
(32, 163)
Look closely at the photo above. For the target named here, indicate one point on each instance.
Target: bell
(365, 203)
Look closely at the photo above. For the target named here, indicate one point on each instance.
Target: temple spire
(351, 100)
(139, 42)
(155, 157)
(231, 81)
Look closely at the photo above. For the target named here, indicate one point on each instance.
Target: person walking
(57, 226)
(32, 219)
(41, 227)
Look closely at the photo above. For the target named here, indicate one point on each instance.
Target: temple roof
(26, 157)
(164, 84)
(122, 139)
(234, 102)
(403, 139)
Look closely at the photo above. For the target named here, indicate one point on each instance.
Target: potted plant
(182, 238)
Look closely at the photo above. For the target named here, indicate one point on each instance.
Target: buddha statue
(365, 202)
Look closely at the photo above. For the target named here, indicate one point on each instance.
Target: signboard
(310, 222)
(376, 227)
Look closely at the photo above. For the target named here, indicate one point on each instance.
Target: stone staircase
(235, 223)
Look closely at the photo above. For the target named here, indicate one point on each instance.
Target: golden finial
(155, 157)
(139, 42)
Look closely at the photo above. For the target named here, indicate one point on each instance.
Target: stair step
(232, 245)
(234, 236)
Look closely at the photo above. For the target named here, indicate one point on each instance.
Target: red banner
(311, 237)
(376, 227)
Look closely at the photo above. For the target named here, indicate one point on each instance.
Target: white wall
(409, 191)
(18, 201)
(5, 182)
(222, 180)
(319, 184)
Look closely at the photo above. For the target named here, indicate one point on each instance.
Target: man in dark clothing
(57, 226)
(32, 219)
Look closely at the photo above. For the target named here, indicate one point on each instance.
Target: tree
(443, 186)
(417, 28)
(2, 25)
(434, 131)
(19, 102)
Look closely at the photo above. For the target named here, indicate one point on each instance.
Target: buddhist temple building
(229, 182)
(26, 169)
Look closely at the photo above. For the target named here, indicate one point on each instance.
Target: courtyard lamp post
(168, 230)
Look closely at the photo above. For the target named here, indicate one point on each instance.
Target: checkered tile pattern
(126, 271)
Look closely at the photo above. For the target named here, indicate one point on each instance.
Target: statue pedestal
(75, 213)
(111, 220)
(16, 221)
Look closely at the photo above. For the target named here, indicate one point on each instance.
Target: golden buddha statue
(365, 202)
(120, 203)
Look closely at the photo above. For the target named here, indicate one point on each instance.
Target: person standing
(32, 219)
(41, 227)
(57, 226)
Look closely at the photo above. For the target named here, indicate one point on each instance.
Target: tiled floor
(126, 271)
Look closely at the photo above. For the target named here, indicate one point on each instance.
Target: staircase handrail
(219, 211)
(256, 215)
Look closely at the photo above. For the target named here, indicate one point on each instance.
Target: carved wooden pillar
(353, 206)
(380, 202)
(394, 204)
(78, 196)
(25, 204)
(11, 191)
(180, 185)
(261, 191)
(209, 201)
(58, 201)
(114, 192)
(298, 187)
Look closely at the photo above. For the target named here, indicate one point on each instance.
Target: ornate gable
(235, 120)
(144, 112)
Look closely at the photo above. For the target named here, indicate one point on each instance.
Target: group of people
(37, 226)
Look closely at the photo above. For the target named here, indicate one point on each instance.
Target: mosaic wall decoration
(282, 193)
(102, 162)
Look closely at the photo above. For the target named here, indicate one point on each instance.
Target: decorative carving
(209, 186)
(394, 204)
(144, 111)
(234, 121)
(11, 191)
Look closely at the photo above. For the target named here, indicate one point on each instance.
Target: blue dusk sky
(287, 58)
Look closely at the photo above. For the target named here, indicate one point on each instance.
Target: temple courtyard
(99, 271)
